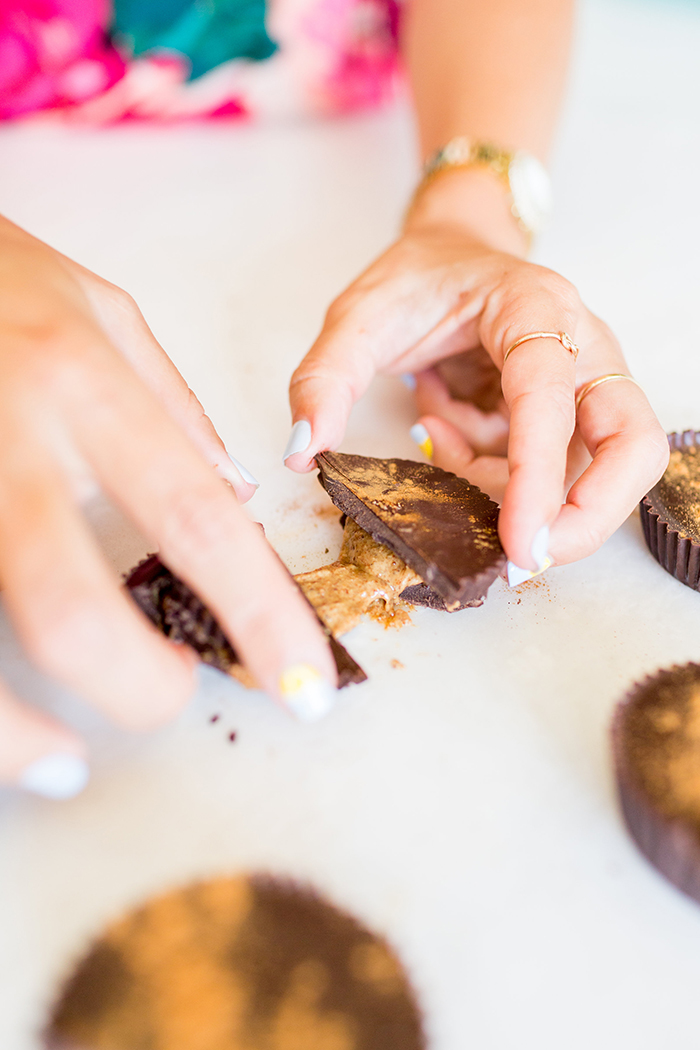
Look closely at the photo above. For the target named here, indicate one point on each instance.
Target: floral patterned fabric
(100, 61)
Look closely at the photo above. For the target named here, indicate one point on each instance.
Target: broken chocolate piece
(421, 594)
(444, 528)
(179, 614)
(656, 744)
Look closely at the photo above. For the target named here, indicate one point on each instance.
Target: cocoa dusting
(440, 525)
(677, 495)
(242, 964)
(661, 738)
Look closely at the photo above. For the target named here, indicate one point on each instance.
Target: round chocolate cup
(676, 552)
(671, 844)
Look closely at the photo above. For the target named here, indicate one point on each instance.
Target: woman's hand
(455, 282)
(88, 398)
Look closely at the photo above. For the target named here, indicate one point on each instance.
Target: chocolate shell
(180, 615)
(443, 527)
(670, 512)
(656, 746)
(237, 963)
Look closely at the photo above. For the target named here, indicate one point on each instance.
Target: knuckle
(195, 407)
(340, 308)
(197, 524)
(561, 290)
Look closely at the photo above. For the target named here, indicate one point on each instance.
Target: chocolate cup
(676, 552)
(671, 844)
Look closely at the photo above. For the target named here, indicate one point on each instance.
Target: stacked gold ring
(585, 390)
(563, 337)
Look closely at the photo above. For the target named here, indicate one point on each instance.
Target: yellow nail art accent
(306, 693)
(422, 438)
(426, 448)
(547, 564)
(296, 679)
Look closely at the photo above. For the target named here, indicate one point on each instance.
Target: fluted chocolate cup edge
(679, 555)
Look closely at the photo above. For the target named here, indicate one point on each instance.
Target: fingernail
(244, 472)
(409, 380)
(422, 438)
(306, 692)
(539, 548)
(299, 439)
(58, 776)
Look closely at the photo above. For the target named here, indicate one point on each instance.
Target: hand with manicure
(88, 400)
(456, 283)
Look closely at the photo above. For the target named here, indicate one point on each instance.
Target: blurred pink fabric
(57, 59)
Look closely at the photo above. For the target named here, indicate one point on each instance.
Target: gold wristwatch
(524, 176)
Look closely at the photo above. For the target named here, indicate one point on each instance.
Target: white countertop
(462, 803)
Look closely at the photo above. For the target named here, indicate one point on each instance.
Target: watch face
(532, 191)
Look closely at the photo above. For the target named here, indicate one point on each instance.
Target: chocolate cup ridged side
(669, 844)
(677, 554)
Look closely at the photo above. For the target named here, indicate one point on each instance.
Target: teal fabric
(208, 32)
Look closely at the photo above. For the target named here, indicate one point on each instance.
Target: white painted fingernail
(57, 776)
(409, 380)
(299, 439)
(539, 548)
(306, 692)
(244, 472)
(422, 438)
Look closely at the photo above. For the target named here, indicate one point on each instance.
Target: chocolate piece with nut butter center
(179, 614)
(444, 528)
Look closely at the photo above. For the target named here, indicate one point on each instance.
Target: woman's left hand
(570, 479)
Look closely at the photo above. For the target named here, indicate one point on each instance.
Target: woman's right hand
(88, 398)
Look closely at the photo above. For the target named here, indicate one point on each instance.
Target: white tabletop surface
(462, 803)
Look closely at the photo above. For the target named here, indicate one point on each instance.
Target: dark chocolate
(179, 614)
(242, 961)
(421, 594)
(443, 527)
(670, 512)
(656, 746)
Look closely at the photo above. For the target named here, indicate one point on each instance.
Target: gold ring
(585, 390)
(565, 340)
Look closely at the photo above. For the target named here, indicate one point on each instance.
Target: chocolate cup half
(656, 748)
(179, 614)
(667, 539)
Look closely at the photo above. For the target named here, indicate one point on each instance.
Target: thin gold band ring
(585, 390)
(563, 337)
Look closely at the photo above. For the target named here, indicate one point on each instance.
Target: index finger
(335, 373)
(151, 469)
